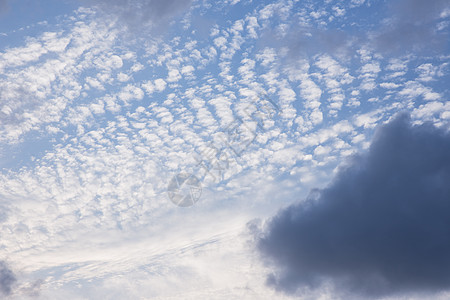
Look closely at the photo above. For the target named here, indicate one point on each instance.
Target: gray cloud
(3, 6)
(139, 14)
(7, 279)
(316, 41)
(406, 25)
(382, 227)
(302, 42)
(34, 288)
(412, 26)
(419, 10)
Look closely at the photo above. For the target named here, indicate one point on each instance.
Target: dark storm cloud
(143, 13)
(7, 279)
(412, 26)
(381, 227)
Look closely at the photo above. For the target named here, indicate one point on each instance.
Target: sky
(230, 149)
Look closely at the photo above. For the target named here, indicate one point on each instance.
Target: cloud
(381, 227)
(400, 25)
(143, 13)
(420, 10)
(7, 279)
(306, 41)
(33, 289)
(412, 26)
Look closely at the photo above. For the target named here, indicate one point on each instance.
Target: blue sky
(103, 103)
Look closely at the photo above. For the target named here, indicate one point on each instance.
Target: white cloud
(267, 56)
(311, 92)
(430, 109)
(316, 116)
(414, 89)
(137, 67)
(160, 84)
(252, 26)
(427, 72)
(187, 70)
(44, 85)
(130, 92)
(389, 85)
(220, 42)
(173, 76)
(123, 77)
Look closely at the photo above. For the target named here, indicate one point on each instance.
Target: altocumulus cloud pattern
(381, 227)
(139, 137)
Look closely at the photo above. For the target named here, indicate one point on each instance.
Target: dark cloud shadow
(396, 27)
(7, 279)
(382, 227)
(303, 42)
(3, 6)
(142, 15)
(412, 27)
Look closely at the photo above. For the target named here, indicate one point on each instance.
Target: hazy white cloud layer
(103, 106)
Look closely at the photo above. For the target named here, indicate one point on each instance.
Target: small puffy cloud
(187, 70)
(311, 92)
(160, 84)
(389, 85)
(252, 26)
(321, 150)
(358, 2)
(7, 279)
(427, 72)
(316, 116)
(430, 109)
(220, 42)
(137, 67)
(380, 228)
(123, 77)
(130, 92)
(267, 56)
(109, 62)
(173, 76)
